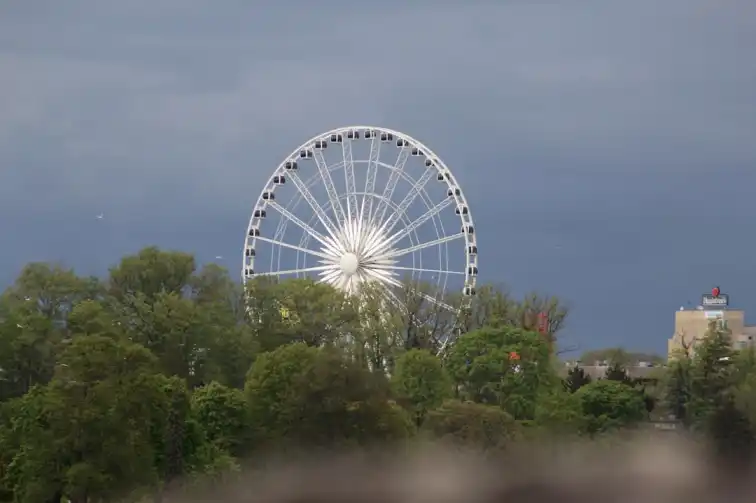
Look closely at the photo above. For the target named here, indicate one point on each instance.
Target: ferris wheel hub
(349, 264)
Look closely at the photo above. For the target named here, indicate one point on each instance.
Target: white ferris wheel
(365, 204)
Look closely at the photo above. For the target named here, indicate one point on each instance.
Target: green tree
(713, 406)
(164, 375)
(192, 321)
(226, 353)
(472, 425)
(420, 383)
(481, 365)
(559, 413)
(744, 401)
(199, 342)
(491, 307)
(169, 325)
(264, 314)
(576, 379)
(174, 435)
(677, 389)
(385, 332)
(151, 272)
(745, 392)
(180, 441)
(731, 431)
(712, 375)
(534, 305)
(51, 290)
(616, 372)
(212, 285)
(299, 310)
(608, 405)
(34, 315)
(306, 396)
(86, 435)
(28, 451)
(420, 323)
(223, 414)
(10, 443)
(229, 344)
(494, 306)
(92, 317)
(29, 342)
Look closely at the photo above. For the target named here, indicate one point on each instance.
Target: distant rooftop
(642, 371)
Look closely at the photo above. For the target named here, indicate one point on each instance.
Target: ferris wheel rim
(440, 166)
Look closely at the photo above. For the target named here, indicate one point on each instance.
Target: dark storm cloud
(589, 136)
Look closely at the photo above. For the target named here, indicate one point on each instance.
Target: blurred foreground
(648, 469)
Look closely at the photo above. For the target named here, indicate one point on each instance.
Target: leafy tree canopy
(169, 374)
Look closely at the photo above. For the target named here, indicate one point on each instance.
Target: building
(691, 325)
(641, 371)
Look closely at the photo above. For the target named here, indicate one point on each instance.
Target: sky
(607, 148)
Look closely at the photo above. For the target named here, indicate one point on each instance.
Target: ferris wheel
(359, 205)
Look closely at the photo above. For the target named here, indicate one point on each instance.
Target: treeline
(161, 374)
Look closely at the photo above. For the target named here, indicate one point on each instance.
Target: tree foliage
(420, 383)
(609, 405)
(165, 374)
(576, 379)
(222, 412)
(482, 366)
(472, 425)
(308, 396)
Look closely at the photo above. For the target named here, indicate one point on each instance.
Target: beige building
(691, 326)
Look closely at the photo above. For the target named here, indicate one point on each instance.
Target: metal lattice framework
(364, 219)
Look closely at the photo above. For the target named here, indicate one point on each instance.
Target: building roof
(634, 372)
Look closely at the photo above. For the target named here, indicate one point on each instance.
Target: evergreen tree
(678, 389)
(713, 396)
(616, 372)
(576, 379)
(711, 373)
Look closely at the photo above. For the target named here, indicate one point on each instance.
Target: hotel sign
(715, 299)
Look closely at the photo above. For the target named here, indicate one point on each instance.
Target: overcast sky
(607, 148)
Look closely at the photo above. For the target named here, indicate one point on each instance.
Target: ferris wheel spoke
(305, 270)
(436, 302)
(372, 172)
(417, 188)
(386, 277)
(413, 269)
(388, 192)
(293, 247)
(391, 296)
(304, 241)
(383, 246)
(428, 244)
(327, 243)
(319, 212)
(351, 189)
(333, 196)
